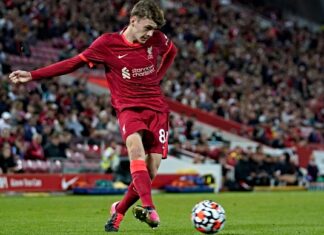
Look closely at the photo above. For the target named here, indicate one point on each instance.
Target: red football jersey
(131, 69)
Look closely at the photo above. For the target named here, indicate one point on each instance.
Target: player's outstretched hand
(20, 76)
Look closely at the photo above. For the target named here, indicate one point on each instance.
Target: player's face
(143, 29)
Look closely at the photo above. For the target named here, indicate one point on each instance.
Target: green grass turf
(281, 213)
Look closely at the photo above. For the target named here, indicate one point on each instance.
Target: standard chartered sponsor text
(140, 72)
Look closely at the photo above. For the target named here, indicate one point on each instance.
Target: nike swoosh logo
(67, 183)
(122, 56)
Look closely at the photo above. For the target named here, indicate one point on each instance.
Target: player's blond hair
(150, 10)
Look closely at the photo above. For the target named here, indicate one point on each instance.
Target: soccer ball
(208, 217)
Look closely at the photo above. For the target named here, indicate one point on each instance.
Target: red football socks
(142, 182)
(129, 199)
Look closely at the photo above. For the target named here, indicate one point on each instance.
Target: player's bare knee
(135, 147)
(136, 152)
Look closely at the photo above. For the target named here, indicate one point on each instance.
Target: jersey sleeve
(167, 60)
(96, 52)
(163, 43)
(59, 68)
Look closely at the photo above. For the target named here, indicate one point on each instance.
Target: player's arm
(93, 54)
(167, 51)
(56, 69)
(167, 60)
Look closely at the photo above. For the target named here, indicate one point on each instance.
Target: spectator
(286, 172)
(110, 158)
(6, 136)
(55, 148)
(244, 173)
(312, 170)
(73, 124)
(7, 160)
(35, 150)
(5, 121)
(31, 127)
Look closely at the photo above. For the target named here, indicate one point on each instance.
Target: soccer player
(136, 59)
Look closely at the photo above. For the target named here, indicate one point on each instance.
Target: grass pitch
(282, 213)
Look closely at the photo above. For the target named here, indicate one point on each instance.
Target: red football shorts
(155, 126)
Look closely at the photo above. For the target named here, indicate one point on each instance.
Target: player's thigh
(135, 146)
(153, 162)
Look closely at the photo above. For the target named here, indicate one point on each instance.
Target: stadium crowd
(265, 73)
(259, 71)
